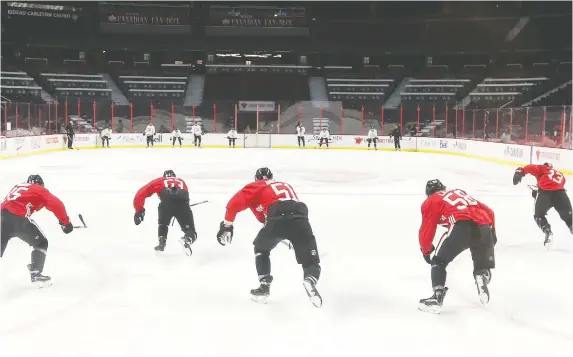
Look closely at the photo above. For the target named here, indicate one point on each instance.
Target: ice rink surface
(112, 296)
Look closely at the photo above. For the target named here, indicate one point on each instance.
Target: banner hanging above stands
(249, 106)
(124, 18)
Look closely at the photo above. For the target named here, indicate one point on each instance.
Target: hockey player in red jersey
(550, 194)
(470, 225)
(276, 205)
(174, 202)
(20, 203)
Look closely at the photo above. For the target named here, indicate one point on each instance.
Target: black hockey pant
(70, 140)
(397, 144)
(197, 140)
(104, 140)
(323, 140)
(301, 141)
(174, 203)
(180, 141)
(26, 229)
(546, 200)
(372, 140)
(464, 235)
(287, 220)
(149, 140)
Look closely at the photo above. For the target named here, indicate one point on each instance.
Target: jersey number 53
(459, 199)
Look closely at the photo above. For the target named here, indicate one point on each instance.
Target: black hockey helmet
(35, 179)
(169, 173)
(264, 173)
(548, 164)
(434, 186)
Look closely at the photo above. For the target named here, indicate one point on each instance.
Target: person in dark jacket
(70, 133)
(397, 136)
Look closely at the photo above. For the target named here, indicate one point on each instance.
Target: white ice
(112, 296)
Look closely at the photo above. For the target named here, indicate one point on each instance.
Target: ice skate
(434, 303)
(41, 281)
(261, 294)
(482, 279)
(186, 243)
(161, 246)
(548, 239)
(309, 285)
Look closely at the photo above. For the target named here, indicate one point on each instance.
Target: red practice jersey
(156, 186)
(27, 198)
(258, 196)
(448, 207)
(548, 179)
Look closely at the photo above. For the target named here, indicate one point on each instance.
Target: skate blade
(434, 309)
(260, 299)
(313, 294)
(186, 249)
(42, 284)
(482, 290)
(549, 243)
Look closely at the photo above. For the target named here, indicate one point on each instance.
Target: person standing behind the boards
(232, 136)
(300, 130)
(197, 133)
(397, 136)
(149, 133)
(324, 135)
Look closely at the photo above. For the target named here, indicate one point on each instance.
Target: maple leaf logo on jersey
(358, 140)
(260, 208)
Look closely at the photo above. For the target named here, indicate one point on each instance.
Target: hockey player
(300, 130)
(20, 203)
(105, 136)
(174, 202)
(232, 136)
(276, 205)
(372, 137)
(550, 193)
(470, 225)
(149, 133)
(197, 133)
(324, 135)
(70, 134)
(176, 135)
(397, 135)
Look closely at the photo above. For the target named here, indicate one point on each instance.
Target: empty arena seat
(434, 90)
(347, 86)
(20, 87)
(495, 92)
(160, 87)
(72, 85)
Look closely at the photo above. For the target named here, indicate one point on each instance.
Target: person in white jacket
(176, 135)
(149, 133)
(197, 133)
(324, 135)
(232, 136)
(300, 135)
(105, 136)
(372, 137)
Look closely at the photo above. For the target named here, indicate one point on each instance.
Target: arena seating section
(18, 86)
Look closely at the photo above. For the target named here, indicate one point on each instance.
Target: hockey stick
(191, 205)
(83, 222)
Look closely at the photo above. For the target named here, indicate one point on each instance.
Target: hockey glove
(427, 257)
(518, 175)
(67, 228)
(534, 194)
(225, 234)
(138, 217)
